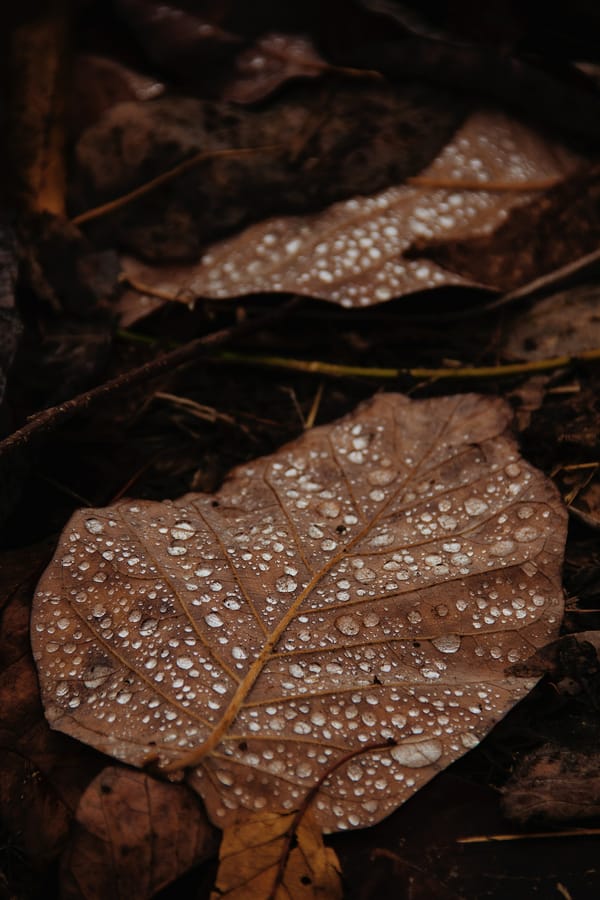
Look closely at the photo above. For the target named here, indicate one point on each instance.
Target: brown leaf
(370, 581)
(134, 836)
(554, 784)
(353, 253)
(309, 147)
(552, 230)
(43, 773)
(251, 852)
(99, 83)
(565, 323)
(271, 61)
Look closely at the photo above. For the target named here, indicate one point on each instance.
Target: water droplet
(381, 477)
(371, 620)
(286, 584)
(124, 697)
(94, 526)
(417, 755)
(347, 625)
(183, 531)
(96, 675)
(525, 512)
(433, 559)
(365, 576)
(449, 523)
(526, 534)
(184, 662)
(447, 643)
(475, 507)
(176, 551)
(502, 548)
(469, 740)
(225, 778)
(330, 509)
(148, 626)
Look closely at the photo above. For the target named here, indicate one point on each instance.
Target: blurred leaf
(133, 836)
(355, 253)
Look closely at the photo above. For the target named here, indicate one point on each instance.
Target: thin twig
(339, 370)
(50, 418)
(531, 836)
(124, 200)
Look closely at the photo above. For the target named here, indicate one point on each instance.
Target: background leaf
(354, 253)
(133, 836)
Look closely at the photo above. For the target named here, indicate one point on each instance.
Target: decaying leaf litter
(170, 444)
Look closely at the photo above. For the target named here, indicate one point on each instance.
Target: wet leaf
(251, 853)
(133, 836)
(354, 252)
(549, 232)
(311, 146)
(369, 582)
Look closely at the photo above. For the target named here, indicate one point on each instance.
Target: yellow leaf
(275, 856)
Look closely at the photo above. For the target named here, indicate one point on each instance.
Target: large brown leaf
(354, 252)
(369, 582)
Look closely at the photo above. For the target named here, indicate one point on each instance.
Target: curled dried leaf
(369, 582)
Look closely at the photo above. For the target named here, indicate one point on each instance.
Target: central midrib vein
(195, 757)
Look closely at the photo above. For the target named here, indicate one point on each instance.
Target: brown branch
(49, 419)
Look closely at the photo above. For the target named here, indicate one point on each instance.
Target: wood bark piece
(371, 581)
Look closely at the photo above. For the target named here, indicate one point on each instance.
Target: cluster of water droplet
(352, 253)
(330, 588)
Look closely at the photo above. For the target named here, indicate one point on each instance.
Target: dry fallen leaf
(353, 252)
(251, 854)
(134, 835)
(43, 773)
(554, 784)
(565, 323)
(370, 581)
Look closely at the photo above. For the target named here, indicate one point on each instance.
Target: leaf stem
(119, 202)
